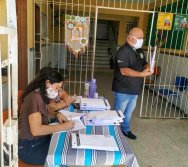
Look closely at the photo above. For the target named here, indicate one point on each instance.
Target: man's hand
(146, 67)
(147, 72)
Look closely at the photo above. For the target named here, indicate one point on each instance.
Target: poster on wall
(181, 22)
(164, 21)
(76, 33)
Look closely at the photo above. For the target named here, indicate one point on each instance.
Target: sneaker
(130, 135)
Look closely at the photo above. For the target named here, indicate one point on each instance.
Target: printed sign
(180, 22)
(76, 33)
(164, 21)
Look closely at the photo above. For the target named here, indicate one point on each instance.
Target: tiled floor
(160, 142)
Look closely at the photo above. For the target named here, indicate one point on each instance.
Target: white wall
(57, 55)
(172, 66)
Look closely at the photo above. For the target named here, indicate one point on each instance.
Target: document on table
(97, 118)
(94, 104)
(78, 99)
(72, 115)
(101, 123)
(95, 142)
(75, 117)
(78, 125)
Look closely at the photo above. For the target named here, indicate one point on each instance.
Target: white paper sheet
(96, 142)
(78, 99)
(71, 115)
(94, 104)
(152, 58)
(112, 117)
(75, 117)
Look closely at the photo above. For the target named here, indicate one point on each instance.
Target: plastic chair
(181, 83)
(20, 93)
(23, 164)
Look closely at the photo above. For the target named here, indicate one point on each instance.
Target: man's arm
(132, 73)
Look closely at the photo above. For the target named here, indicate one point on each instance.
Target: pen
(105, 102)
(82, 116)
(118, 113)
(78, 139)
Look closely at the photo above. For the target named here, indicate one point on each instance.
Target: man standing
(130, 69)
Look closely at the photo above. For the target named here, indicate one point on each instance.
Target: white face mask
(51, 93)
(138, 43)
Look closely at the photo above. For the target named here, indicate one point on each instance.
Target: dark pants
(34, 151)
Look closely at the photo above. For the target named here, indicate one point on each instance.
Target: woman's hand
(61, 118)
(68, 125)
(70, 100)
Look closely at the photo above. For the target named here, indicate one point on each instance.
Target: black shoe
(130, 135)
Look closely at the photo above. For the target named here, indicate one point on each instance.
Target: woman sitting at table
(40, 99)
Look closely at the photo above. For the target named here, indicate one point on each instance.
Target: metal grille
(76, 70)
(130, 25)
(9, 128)
(171, 51)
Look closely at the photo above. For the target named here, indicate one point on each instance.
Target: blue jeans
(126, 103)
(34, 151)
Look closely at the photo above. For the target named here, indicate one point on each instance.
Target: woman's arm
(66, 98)
(37, 129)
(65, 102)
(63, 95)
(54, 106)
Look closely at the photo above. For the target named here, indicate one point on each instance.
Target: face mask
(51, 93)
(138, 43)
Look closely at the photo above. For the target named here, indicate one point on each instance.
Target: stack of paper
(96, 142)
(95, 118)
(78, 125)
(72, 115)
(77, 118)
(94, 104)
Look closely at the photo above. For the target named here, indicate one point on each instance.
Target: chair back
(181, 83)
(20, 93)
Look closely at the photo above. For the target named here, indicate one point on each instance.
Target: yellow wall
(3, 22)
(30, 21)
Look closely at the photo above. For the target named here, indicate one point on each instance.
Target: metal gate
(9, 129)
(161, 97)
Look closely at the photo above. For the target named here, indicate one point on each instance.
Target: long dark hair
(46, 73)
